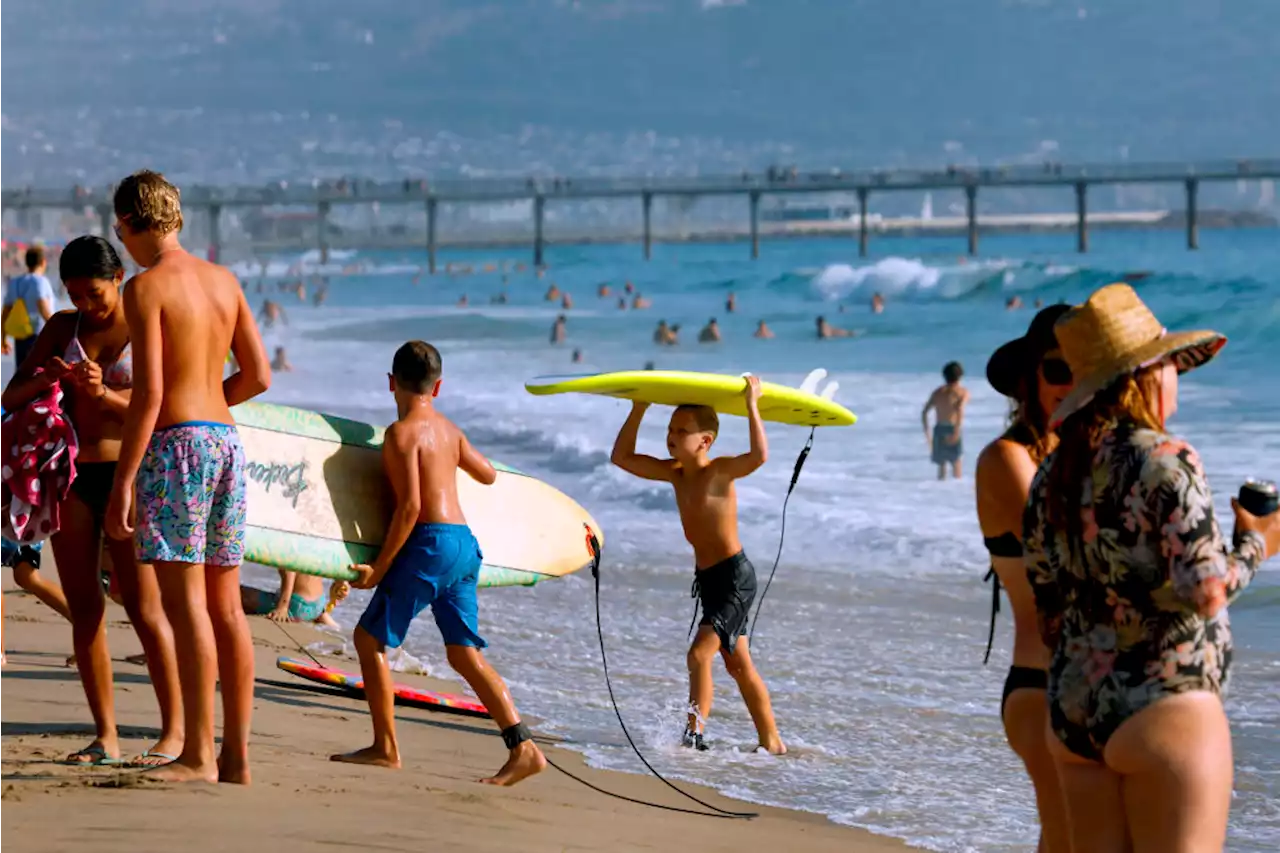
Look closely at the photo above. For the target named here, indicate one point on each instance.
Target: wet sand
(300, 801)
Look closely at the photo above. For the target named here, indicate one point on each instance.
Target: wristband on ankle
(515, 735)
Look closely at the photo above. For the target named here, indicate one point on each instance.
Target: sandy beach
(302, 801)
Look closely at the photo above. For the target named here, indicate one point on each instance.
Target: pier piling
(322, 230)
(215, 231)
(1193, 227)
(646, 200)
(1082, 216)
(971, 203)
(431, 236)
(755, 224)
(862, 222)
(539, 207)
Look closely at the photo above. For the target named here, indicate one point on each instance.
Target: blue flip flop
(97, 753)
(147, 753)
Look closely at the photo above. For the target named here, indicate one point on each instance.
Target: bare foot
(234, 771)
(179, 772)
(526, 760)
(370, 755)
(775, 747)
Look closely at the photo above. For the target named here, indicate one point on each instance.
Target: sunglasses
(1056, 371)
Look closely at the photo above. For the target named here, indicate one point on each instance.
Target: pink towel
(39, 453)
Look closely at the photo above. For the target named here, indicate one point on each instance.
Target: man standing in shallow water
(181, 469)
(948, 401)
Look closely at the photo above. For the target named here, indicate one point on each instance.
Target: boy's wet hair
(416, 367)
(704, 416)
(145, 201)
(35, 257)
(952, 372)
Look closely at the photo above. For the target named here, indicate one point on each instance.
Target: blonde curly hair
(145, 201)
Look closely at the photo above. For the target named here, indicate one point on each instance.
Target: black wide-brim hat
(1010, 362)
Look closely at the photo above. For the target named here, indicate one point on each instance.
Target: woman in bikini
(1131, 577)
(87, 351)
(1030, 372)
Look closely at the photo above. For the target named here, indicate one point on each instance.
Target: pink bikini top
(118, 374)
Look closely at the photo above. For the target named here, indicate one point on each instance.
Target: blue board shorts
(439, 566)
(15, 553)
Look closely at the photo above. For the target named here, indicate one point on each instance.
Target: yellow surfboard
(778, 403)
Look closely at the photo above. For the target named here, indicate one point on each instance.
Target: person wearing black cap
(1029, 371)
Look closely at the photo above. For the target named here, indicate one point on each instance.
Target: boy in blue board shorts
(429, 558)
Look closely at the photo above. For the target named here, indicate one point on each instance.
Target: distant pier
(322, 196)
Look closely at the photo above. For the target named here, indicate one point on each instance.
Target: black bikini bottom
(1023, 678)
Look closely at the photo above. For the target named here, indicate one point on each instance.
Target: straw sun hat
(1113, 335)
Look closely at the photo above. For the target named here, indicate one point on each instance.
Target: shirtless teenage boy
(726, 580)
(181, 468)
(948, 401)
(429, 557)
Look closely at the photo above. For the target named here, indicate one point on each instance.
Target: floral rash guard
(1125, 606)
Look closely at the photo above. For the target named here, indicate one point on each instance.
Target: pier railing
(324, 194)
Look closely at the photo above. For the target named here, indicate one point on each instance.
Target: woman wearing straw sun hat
(1029, 371)
(1131, 578)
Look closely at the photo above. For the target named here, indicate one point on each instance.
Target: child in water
(429, 557)
(725, 580)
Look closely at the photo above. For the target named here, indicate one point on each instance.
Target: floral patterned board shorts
(190, 496)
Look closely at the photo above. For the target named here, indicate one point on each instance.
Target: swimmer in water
(603, 290)
(763, 331)
(1013, 303)
(622, 303)
(566, 302)
(281, 361)
(877, 303)
(463, 301)
(577, 356)
(710, 333)
(731, 303)
(665, 335)
(558, 330)
(640, 303)
(826, 330)
(270, 313)
(552, 294)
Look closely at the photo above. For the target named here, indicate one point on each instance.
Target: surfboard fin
(829, 392)
(810, 383)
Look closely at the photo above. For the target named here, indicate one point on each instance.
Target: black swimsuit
(1008, 545)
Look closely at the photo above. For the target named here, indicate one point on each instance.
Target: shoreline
(300, 800)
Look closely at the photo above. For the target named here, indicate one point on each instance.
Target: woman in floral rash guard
(1131, 577)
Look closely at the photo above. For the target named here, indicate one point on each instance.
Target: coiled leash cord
(593, 543)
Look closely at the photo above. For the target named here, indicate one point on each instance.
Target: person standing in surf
(181, 466)
(429, 558)
(1031, 372)
(725, 580)
(945, 439)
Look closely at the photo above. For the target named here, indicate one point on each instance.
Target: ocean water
(872, 636)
